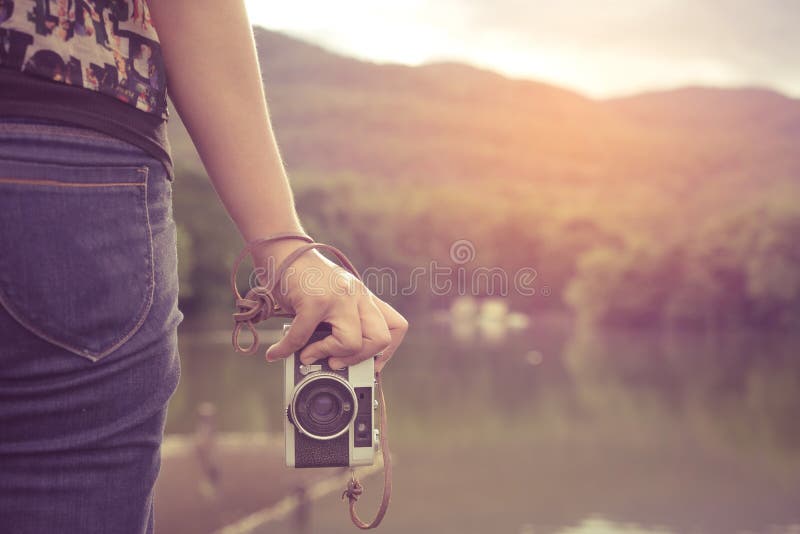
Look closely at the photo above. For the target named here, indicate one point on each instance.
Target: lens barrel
(323, 405)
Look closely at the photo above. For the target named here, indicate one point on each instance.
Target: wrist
(277, 251)
(253, 228)
(270, 255)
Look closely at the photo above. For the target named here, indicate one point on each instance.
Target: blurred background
(589, 213)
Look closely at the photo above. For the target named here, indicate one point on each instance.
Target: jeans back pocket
(76, 260)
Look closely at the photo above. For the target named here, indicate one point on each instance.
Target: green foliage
(186, 263)
(207, 243)
(658, 208)
(744, 268)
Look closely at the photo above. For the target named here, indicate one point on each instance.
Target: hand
(316, 290)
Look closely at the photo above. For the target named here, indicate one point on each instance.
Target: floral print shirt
(109, 46)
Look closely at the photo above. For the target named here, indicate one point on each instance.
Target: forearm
(215, 83)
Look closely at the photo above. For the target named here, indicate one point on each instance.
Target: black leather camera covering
(309, 452)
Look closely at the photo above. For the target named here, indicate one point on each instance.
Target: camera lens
(323, 406)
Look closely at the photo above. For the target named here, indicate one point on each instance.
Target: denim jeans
(88, 329)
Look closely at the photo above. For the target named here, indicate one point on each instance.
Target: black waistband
(27, 96)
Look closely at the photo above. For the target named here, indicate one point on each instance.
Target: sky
(600, 48)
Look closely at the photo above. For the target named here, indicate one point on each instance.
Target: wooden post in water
(204, 444)
(301, 519)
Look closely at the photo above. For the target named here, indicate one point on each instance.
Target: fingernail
(336, 365)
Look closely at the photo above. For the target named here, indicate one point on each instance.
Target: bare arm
(214, 80)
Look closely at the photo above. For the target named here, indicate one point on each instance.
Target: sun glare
(600, 54)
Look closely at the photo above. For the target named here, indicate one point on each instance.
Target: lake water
(556, 429)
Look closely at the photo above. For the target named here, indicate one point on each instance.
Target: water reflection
(490, 320)
(553, 428)
(601, 526)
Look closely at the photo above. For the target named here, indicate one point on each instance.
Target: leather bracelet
(258, 304)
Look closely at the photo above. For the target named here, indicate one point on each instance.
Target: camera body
(330, 414)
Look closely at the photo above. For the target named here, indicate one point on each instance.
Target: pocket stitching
(144, 310)
(58, 183)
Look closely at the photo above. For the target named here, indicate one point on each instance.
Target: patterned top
(109, 46)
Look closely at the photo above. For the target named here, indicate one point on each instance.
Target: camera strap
(259, 304)
(355, 489)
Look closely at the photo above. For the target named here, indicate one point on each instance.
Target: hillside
(448, 123)
(744, 110)
(532, 173)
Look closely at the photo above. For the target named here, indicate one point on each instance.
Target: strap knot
(257, 305)
(353, 491)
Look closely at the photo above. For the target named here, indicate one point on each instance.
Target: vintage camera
(330, 414)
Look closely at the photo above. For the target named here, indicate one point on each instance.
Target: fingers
(345, 339)
(363, 326)
(374, 334)
(398, 326)
(302, 327)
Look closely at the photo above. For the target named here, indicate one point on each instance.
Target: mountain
(435, 122)
(452, 123)
(691, 108)
(394, 163)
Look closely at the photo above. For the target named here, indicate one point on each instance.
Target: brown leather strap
(260, 304)
(354, 487)
(299, 251)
